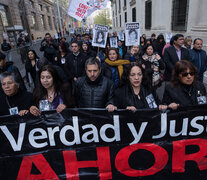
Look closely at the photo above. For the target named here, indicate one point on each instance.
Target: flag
(80, 9)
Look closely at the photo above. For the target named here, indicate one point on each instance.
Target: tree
(103, 18)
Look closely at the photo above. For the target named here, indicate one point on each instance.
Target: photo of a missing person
(100, 37)
(132, 36)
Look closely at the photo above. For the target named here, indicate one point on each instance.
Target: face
(46, 79)
(135, 76)
(9, 87)
(75, 47)
(93, 71)
(119, 43)
(187, 77)
(60, 49)
(198, 45)
(86, 38)
(179, 42)
(189, 43)
(113, 55)
(2, 62)
(135, 49)
(47, 37)
(31, 55)
(85, 47)
(149, 51)
(132, 35)
(100, 36)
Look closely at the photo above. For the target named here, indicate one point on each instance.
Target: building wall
(162, 17)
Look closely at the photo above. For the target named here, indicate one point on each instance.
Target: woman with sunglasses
(184, 89)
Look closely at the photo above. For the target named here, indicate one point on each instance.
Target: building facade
(36, 17)
(157, 16)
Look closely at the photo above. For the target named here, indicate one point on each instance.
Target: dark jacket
(170, 59)
(124, 96)
(22, 100)
(134, 58)
(75, 66)
(199, 59)
(96, 94)
(183, 95)
(5, 46)
(10, 67)
(33, 70)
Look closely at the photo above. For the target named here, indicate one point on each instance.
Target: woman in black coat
(134, 93)
(184, 89)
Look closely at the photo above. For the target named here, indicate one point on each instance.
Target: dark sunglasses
(186, 74)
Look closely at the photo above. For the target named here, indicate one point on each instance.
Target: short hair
(2, 55)
(47, 34)
(76, 42)
(196, 40)
(92, 61)
(153, 35)
(177, 36)
(11, 74)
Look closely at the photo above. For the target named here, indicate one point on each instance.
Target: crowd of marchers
(76, 74)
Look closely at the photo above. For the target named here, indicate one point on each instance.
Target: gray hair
(11, 74)
(91, 61)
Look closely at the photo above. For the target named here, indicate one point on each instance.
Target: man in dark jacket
(75, 65)
(6, 47)
(49, 47)
(173, 54)
(198, 57)
(94, 90)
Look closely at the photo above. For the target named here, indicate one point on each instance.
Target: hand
(157, 56)
(111, 108)
(162, 107)
(34, 110)
(55, 58)
(173, 106)
(60, 108)
(75, 79)
(98, 58)
(156, 69)
(23, 112)
(131, 108)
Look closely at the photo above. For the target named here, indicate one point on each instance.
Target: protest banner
(168, 36)
(80, 9)
(100, 34)
(121, 35)
(132, 33)
(95, 144)
(113, 42)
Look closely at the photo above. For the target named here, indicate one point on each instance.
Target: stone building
(36, 17)
(162, 16)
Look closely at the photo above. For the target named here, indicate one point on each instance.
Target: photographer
(49, 47)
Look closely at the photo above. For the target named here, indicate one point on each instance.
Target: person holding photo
(51, 91)
(100, 37)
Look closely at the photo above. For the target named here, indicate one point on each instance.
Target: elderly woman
(50, 93)
(13, 100)
(113, 66)
(184, 89)
(135, 92)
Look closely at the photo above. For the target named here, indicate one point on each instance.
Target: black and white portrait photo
(113, 42)
(100, 33)
(132, 34)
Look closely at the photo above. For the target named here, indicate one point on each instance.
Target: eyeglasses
(186, 74)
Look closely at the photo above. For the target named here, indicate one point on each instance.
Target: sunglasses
(186, 74)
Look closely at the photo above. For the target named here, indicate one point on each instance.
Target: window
(55, 24)
(134, 15)
(40, 7)
(43, 21)
(125, 16)
(116, 8)
(119, 6)
(148, 14)
(124, 2)
(34, 22)
(49, 22)
(179, 15)
(120, 19)
(48, 9)
(31, 4)
(116, 22)
(4, 15)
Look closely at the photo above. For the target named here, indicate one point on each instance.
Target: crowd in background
(76, 74)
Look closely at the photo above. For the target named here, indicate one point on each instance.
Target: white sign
(80, 9)
(121, 35)
(72, 31)
(100, 34)
(113, 42)
(132, 34)
(168, 37)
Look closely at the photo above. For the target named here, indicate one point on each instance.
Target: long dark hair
(34, 52)
(64, 47)
(126, 73)
(180, 67)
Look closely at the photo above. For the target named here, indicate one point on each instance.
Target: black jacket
(170, 59)
(183, 95)
(75, 65)
(5, 46)
(124, 96)
(96, 94)
(22, 100)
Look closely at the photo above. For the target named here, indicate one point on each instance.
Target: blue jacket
(199, 59)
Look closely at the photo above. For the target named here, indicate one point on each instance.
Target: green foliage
(103, 18)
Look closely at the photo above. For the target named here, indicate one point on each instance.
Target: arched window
(179, 15)
(148, 14)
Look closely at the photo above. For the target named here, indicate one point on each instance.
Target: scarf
(118, 63)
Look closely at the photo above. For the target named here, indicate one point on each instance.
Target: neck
(51, 90)
(177, 47)
(136, 90)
